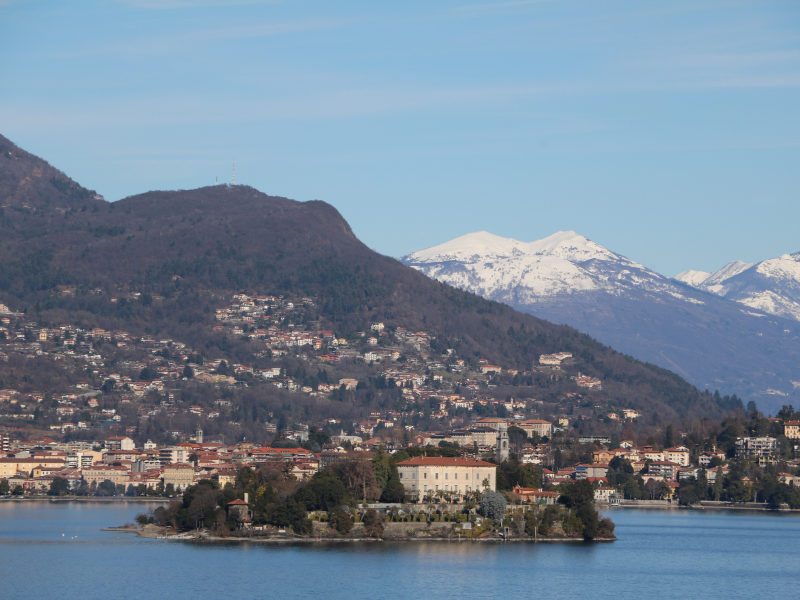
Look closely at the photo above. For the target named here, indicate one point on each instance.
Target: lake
(49, 550)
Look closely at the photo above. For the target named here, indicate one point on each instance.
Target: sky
(668, 132)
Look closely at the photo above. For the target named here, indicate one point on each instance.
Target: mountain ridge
(194, 248)
(707, 339)
(772, 285)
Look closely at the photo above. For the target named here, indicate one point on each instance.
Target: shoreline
(115, 499)
(155, 532)
(715, 506)
(319, 540)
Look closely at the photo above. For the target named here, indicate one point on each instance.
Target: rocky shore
(409, 532)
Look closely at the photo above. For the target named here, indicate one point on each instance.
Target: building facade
(458, 476)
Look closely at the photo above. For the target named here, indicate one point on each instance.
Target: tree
(373, 523)
(107, 488)
(323, 492)
(358, 476)
(669, 436)
(148, 374)
(188, 372)
(59, 487)
(4, 487)
(493, 506)
(590, 520)
(517, 436)
(340, 520)
(653, 489)
(576, 494)
(718, 484)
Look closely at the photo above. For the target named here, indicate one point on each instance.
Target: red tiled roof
(443, 461)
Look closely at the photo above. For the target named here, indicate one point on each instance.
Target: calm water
(49, 551)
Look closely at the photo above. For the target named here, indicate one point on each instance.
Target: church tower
(501, 451)
(198, 436)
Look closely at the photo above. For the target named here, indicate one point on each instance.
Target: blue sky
(666, 131)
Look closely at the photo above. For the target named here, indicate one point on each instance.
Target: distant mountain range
(676, 324)
(772, 285)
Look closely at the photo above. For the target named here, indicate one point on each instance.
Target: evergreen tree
(718, 484)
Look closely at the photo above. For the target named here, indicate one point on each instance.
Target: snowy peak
(785, 267)
(692, 278)
(521, 273)
(772, 285)
(480, 245)
(483, 246)
(726, 272)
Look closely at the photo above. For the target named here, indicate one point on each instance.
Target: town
(113, 414)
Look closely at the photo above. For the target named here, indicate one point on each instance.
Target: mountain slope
(567, 278)
(195, 248)
(772, 286)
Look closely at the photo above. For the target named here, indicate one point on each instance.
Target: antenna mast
(234, 172)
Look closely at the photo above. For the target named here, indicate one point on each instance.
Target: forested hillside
(66, 253)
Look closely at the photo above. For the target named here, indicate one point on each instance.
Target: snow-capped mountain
(515, 272)
(772, 286)
(567, 278)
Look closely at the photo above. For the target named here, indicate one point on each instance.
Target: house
(602, 456)
(791, 429)
(423, 474)
(349, 384)
(603, 494)
(99, 473)
(678, 455)
(11, 466)
(224, 477)
(486, 369)
(119, 443)
(342, 438)
(535, 496)
(590, 470)
(240, 511)
(756, 447)
(180, 475)
(554, 359)
(494, 423)
(537, 426)
(174, 454)
(666, 469)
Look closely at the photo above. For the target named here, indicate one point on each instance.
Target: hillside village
(130, 415)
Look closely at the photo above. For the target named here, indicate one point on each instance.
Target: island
(362, 498)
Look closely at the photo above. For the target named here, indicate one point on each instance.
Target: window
(456, 476)
(426, 487)
(467, 476)
(413, 488)
(424, 475)
(437, 476)
(437, 488)
(447, 475)
(401, 475)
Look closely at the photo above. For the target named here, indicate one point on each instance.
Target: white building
(423, 474)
